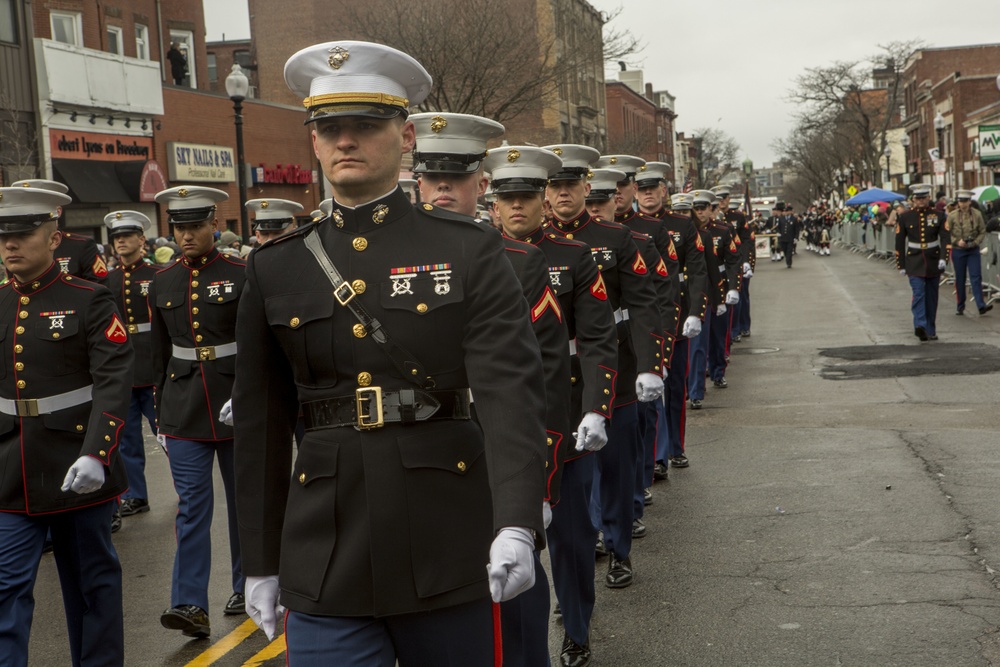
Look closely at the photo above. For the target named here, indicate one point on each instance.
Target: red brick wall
(224, 64)
(271, 135)
(631, 122)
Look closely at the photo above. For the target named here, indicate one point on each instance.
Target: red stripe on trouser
(497, 637)
(687, 371)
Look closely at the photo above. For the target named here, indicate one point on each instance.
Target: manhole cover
(868, 362)
(752, 350)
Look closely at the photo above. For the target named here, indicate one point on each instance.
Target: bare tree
(18, 149)
(620, 45)
(719, 154)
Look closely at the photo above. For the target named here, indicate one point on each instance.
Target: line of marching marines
(461, 394)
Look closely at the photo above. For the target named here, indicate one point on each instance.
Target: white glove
(648, 387)
(511, 568)
(226, 413)
(546, 514)
(720, 310)
(665, 370)
(902, 272)
(692, 327)
(262, 603)
(84, 476)
(941, 264)
(732, 297)
(590, 434)
(161, 439)
(747, 271)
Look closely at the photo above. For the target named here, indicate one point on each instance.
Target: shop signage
(989, 143)
(152, 181)
(280, 174)
(75, 145)
(199, 162)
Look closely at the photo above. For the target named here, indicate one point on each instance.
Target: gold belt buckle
(27, 407)
(923, 246)
(362, 395)
(133, 328)
(206, 353)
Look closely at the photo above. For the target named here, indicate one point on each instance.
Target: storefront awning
(97, 182)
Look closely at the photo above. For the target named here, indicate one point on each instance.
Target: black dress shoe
(745, 334)
(932, 338)
(116, 520)
(619, 573)
(660, 471)
(920, 333)
(573, 654)
(960, 312)
(236, 605)
(721, 383)
(600, 550)
(192, 621)
(985, 309)
(647, 497)
(695, 404)
(679, 461)
(132, 506)
(638, 529)
(737, 339)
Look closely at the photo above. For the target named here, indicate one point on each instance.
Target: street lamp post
(939, 127)
(905, 141)
(887, 152)
(237, 86)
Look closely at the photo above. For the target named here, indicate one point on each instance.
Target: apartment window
(213, 73)
(242, 58)
(115, 40)
(185, 43)
(8, 22)
(141, 42)
(67, 28)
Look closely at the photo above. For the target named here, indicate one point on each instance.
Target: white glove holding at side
(902, 272)
(84, 476)
(747, 270)
(546, 514)
(511, 568)
(692, 327)
(226, 413)
(720, 310)
(648, 387)
(161, 439)
(262, 603)
(942, 264)
(732, 297)
(590, 434)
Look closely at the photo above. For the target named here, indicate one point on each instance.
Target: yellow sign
(852, 191)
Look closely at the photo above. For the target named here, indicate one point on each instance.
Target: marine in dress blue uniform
(702, 206)
(397, 499)
(726, 245)
(129, 282)
(573, 276)
(193, 304)
(921, 239)
(65, 374)
(273, 217)
(640, 353)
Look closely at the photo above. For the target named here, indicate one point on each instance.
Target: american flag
(688, 185)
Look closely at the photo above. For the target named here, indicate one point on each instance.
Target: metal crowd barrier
(881, 244)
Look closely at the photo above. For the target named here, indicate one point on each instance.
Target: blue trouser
(742, 321)
(451, 637)
(925, 302)
(191, 464)
(524, 624)
(675, 398)
(653, 433)
(571, 538)
(718, 344)
(611, 500)
(699, 359)
(787, 248)
(89, 573)
(968, 259)
(133, 452)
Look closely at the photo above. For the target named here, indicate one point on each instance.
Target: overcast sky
(731, 62)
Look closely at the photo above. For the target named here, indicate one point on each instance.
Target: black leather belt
(370, 407)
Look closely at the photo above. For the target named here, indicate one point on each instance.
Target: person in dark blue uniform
(273, 217)
(65, 376)
(193, 304)
(129, 282)
(921, 238)
(592, 351)
(404, 520)
(725, 245)
(640, 353)
(702, 204)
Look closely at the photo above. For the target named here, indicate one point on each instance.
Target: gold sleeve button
(302, 478)
(461, 465)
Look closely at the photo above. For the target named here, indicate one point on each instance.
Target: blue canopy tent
(872, 195)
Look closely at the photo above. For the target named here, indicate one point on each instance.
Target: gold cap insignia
(25, 185)
(1, 196)
(513, 154)
(557, 151)
(338, 56)
(642, 168)
(182, 192)
(614, 160)
(590, 175)
(378, 215)
(438, 123)
(118, 216)
(264, 204)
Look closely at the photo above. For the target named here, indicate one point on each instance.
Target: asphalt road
(840, 507)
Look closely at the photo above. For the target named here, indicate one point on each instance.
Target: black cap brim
(377, 111)
(510, 185)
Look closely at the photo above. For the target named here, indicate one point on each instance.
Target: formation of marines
(396, 394)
